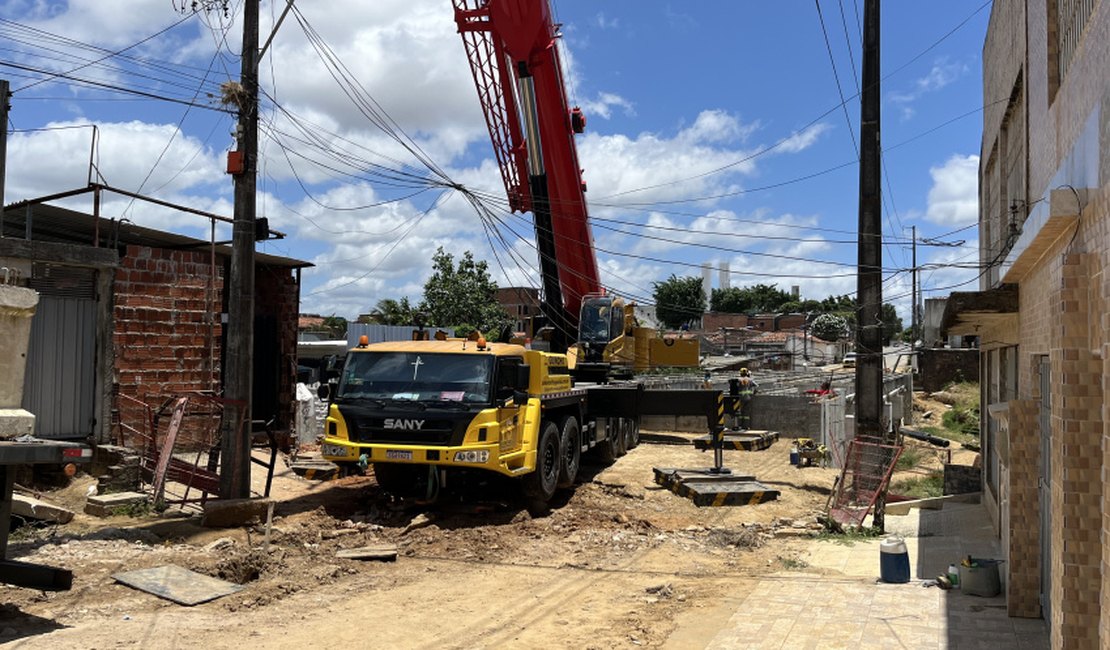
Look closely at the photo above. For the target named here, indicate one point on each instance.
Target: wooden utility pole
(239, 354)
(4, 95)
(869, 340)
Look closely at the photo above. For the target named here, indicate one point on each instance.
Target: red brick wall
(165, 343)
(277, 296)
(791, 321)
(162, 324)
(715, 320)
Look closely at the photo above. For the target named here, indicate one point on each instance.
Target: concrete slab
(841, 604)
(105, 505)
(32, 508)
(180, 585)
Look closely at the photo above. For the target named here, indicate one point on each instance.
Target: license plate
(396, 454)
(333, 450)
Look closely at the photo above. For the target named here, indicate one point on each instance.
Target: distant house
(522, 304)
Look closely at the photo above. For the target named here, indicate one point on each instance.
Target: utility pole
(869, 365)
(4, 95)
(913, 309)
(235, 443)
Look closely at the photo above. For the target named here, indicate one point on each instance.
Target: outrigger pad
(742, 440)
(706, 488)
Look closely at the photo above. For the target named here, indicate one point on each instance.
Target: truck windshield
(594, 322)
(415, 376)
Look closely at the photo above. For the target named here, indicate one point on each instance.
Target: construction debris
(383, 552)
(234, 512)
(32, 508)
(106, 505)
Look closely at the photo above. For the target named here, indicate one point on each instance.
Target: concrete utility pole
(235, 444)
(869, 341)
(4, 95)
(913, 309)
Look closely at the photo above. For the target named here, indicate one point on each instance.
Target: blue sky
(715, 135)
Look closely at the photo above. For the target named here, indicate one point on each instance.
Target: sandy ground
(615, 563)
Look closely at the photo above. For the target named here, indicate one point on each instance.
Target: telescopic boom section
(511, 47)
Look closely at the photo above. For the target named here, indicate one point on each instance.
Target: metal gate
(1044, 489)
(59, 385)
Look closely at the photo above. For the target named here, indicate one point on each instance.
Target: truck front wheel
(539, 485)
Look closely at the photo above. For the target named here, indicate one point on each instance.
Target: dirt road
(614, 564)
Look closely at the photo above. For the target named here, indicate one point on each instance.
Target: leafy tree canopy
(757, 298)
(829, 327)
(892, 324)
(463, 293)
(678, 300)
(392, 312)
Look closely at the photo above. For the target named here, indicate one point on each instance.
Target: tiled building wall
(1063, 314)
(1076, 464)
(1024, 558)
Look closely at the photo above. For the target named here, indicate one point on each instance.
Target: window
(1067, 20)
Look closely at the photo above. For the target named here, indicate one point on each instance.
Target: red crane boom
(516, 67)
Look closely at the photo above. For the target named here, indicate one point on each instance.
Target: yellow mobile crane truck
(414, 410)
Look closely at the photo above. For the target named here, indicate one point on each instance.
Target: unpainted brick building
(130, 313)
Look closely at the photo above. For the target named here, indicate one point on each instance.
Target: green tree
(461, 294)
(829, 327)
(756, 298)
(336, 326)
(892, 324)
(678, 300)
(733, 300)
(393, 312)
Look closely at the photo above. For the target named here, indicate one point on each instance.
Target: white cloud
(943, 73)
(954, 197)
(802, 140)
(605, 22)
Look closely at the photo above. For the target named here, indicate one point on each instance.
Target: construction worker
(746, 388)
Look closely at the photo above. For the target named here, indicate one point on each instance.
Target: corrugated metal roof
(54, 224)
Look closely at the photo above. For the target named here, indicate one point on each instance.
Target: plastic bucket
(894, 560)
(981, 579)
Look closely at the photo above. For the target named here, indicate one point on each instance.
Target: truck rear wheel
(539, 485)
(631, 434)
(612, 447)
(570, 445)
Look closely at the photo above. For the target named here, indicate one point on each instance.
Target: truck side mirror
(523, 375)
(324, 391)
(520, 398)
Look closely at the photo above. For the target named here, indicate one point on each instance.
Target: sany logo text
(399, 423)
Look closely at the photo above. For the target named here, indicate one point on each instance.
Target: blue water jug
(894, 560)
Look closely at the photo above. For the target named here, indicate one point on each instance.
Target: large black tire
(398, 478)
(539, 485)
(612, 448)
(570, 451)
(631, 434)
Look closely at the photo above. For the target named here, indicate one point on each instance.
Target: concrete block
(15, 423)
(104, 505)
(234, 512)
(32, 508)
